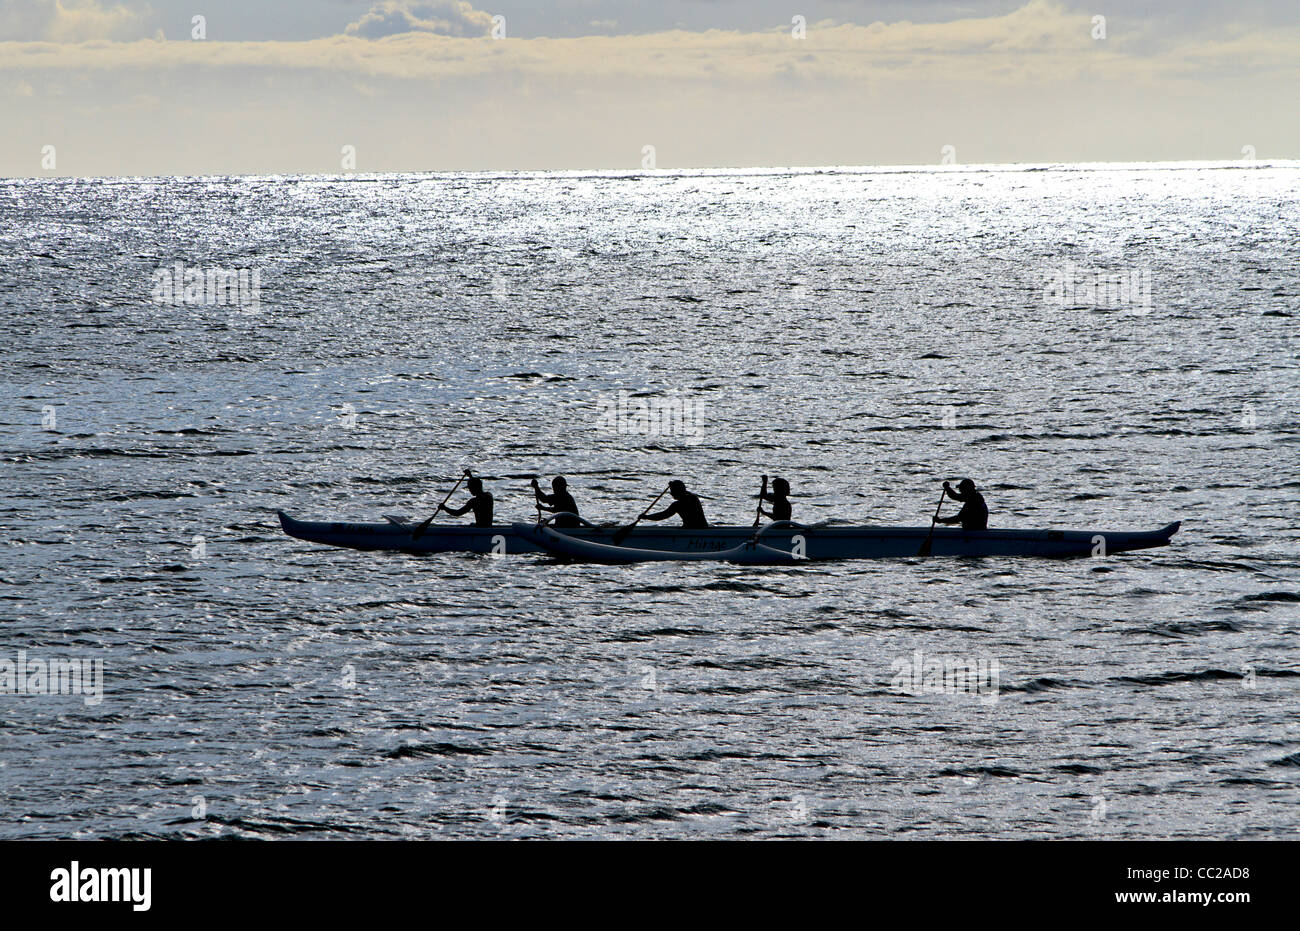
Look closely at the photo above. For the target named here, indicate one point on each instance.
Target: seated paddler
(974, 513)
(779, 496)
(480, 502)
(685, 505)
(559, 501)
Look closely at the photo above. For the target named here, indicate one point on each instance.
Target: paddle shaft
(621, 535)
(758, 511)
(929, 537)
(415, 535)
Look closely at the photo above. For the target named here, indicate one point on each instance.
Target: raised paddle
(621, 534)
(419, 531)
(929, 537)
(537, 499)
(758, 511)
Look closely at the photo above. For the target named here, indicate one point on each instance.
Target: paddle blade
(621, 534)
(925, 547)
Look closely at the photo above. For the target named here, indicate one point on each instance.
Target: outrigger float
(778, 543)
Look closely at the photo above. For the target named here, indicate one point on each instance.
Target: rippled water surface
(864, 333)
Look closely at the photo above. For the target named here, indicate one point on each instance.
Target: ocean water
(1098, 348)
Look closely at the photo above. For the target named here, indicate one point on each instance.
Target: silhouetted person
(780, 498)
(558, 501)
(974, 513)
(481, 502)
(685, 505)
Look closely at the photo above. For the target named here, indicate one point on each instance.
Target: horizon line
(718, 171)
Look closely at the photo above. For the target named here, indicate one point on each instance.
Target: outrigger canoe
(782, 542)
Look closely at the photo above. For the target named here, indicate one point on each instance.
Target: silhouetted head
(781, 487)
(965, 485)
(558, 484)
(475, 486)
(676, 488)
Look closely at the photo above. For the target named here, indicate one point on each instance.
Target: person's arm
(764, 496)
(456, 512)
(546, 501)
(956, 518)
(664, 514)
(773, 498)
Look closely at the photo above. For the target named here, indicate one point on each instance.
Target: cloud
(1041, 42)
(1028, 85)
(440, 17)
(70, 21)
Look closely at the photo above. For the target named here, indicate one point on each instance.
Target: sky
(102, 88)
